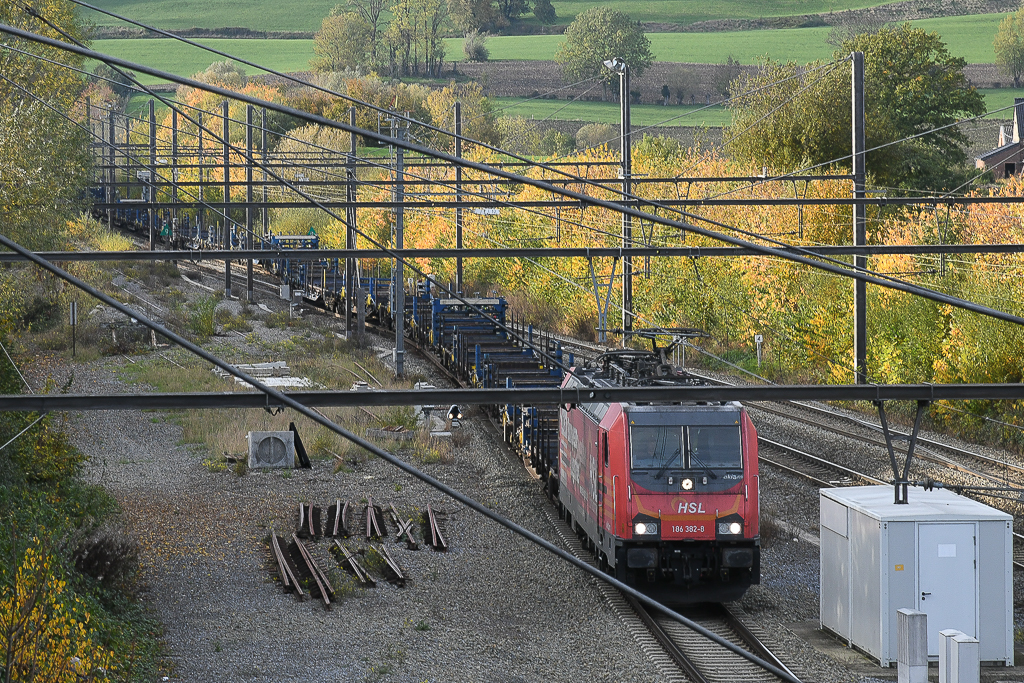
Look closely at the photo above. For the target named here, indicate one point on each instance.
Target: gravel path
(494, 608)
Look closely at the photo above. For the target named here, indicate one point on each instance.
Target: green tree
(556, 143)
(599, 34)
(119, 82)
(471, 16)
(1009, 46)
(510, 10)
(545, 12)
(785, 117)
(477, 113)
(518, 134)
(414, 37)
(370, 11)
(343, 42)
(44, 156)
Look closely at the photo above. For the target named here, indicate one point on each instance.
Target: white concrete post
(945, 653)
(912, 639)
(964, 664)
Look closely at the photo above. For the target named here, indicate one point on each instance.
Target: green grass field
(185, 60)
(800, 45)
(643, 114)
(306, 16)
(967, 37)
(1001, 99)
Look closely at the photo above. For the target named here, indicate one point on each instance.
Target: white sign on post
(758, 339)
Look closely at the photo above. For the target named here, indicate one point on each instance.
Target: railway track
(828, 474)
(679, 653)
(707, 662)
(926, 450)
(818, 471)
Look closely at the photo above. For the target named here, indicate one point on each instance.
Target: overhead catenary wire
(299, 81)
(312, 118)
(322, 147)
(513, 205)
(542, 352)
(827, 360)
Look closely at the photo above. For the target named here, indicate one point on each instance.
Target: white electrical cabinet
(942, 554)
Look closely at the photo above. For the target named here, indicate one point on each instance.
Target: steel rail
(670, 647)
(794, 471)
(921, 441)
(747, 636)
(919, 453)
(882, 281)
(827, 464)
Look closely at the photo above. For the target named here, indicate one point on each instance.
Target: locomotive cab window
(679, 447)
(714, 447)
(656, 447)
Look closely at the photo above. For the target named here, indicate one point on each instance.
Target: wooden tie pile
(297, 568)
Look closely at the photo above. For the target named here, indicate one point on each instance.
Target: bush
(45, 633)
(595, 135)
(474, 46)
(201, 316)
(556, 143)
(47, 454)
(518, 134)
(112, 561)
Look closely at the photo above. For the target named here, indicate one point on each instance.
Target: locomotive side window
(714, 447)
(656, 447)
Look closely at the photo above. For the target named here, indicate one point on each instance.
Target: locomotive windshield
(656, 447)
(714, 447)
(706, 447)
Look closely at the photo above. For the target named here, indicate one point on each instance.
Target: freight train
(664, 494)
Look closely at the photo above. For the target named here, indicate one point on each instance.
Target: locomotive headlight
(646, 529)
(687, 484)
(732, 528)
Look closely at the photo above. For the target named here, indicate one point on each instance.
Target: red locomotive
(666, 495)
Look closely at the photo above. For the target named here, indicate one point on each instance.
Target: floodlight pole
(625, 171)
